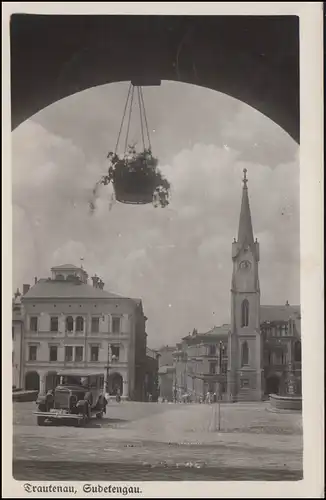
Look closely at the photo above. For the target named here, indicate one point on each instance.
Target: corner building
(69, 324)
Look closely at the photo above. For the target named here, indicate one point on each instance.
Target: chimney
(35, 280)
(25, 289)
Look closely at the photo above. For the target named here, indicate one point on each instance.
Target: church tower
(245, 372)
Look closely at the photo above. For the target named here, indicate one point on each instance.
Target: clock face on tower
(245, 264)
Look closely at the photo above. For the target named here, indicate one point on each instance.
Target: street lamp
(112, 357)
(221, 349)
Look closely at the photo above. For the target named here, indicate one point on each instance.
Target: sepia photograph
(156, 304)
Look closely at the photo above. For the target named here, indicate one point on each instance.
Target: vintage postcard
(162, 243)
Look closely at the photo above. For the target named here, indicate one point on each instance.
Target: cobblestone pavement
(162, 441)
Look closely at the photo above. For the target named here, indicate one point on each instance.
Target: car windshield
(73, 380)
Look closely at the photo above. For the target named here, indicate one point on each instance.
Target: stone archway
(201, 50)
(32, 381)
(115, 382)
(273, 385)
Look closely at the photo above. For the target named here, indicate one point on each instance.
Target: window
(297, 351)
(212, 368)
(79, 353)
(54, 324)
(244, 383)
(212, 350)
(245, 313)
(33, 324)
(115, 351)
(32, 355)
(95, 325)
(244, 354)
(94, 352)
(283, 358)
(116, 324)
(69, 324)
(68, 353)
(53, 353)
(79, 324)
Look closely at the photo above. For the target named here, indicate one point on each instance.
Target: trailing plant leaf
(136, 178)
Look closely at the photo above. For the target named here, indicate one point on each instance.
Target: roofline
(80, 299)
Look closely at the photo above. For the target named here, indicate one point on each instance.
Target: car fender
(41, 399)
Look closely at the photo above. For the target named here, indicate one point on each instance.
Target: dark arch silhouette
(273, 385)
(245, 313)
(32, 381)
(297, 351)
(252, 58)
(244, 354)
(115, 383)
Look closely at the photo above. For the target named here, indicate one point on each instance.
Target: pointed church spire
(245, 233)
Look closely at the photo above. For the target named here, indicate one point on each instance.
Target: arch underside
(251, 58)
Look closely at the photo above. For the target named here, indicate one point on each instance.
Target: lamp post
(111, 357)
(219, 385)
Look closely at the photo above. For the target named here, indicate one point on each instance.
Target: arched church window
(69, 324)
(245, 313)
(244, 354)
(79, 324)
(297, 351)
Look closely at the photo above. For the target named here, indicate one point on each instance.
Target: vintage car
(78, 397)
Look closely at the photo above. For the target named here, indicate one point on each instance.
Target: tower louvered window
(245, 313)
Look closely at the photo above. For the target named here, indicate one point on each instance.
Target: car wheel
(99, 415)
(41, 421)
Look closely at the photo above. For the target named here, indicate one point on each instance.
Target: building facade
(166, 372)
(259, 352)
(69, 324)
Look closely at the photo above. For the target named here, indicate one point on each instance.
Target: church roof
(279, 313)
(245, 232)
(219, 331)
(53, 289)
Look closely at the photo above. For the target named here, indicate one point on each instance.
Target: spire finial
(245, 180)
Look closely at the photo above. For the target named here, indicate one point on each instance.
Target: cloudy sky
(177, 259)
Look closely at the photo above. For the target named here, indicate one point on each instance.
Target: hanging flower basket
(136, 178)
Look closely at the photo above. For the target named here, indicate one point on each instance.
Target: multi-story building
(17, 341)
(166, 372)
(151, 375)
(262, 344)
(68, 324)
(201, 363)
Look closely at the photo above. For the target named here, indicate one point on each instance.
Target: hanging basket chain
(141, 117)
(129, 118)
(123, 119)
(143, 103)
